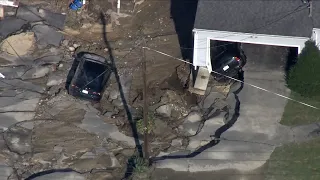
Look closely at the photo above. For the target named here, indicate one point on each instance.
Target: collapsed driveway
(246, 143)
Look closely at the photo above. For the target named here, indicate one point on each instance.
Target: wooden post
(145, 103)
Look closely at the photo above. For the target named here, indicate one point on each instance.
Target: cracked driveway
(248, 144)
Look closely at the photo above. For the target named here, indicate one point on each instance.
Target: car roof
(93, 57)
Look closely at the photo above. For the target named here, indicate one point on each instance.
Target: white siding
(201, 56)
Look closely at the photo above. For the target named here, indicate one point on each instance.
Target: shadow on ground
(130, 165)
(291, 59)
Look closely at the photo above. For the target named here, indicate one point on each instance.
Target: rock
(18, 140)
(47, 35)
(36, 72)
(164, 110)
(72, 49)
(177, 142)
(55, 80)
(114, 94)
(65, 42)
(19, 45)
(76, 46)
(60, 176)
(193, 117)
(10, 25)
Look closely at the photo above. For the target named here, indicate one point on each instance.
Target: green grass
(298, 114)
(295, 162)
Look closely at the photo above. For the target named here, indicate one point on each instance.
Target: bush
(304, 76)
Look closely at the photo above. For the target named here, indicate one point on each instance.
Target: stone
(54, 80)
(176, 142)
(18, 140)
(114, 94)
(33, 14)
(65, 42)
(19, 45)
(72, 49)
(47, 35)
(61, 176)
(76, 46)
(36, 72)
(193, 117)
(10, 25)
(165, 110)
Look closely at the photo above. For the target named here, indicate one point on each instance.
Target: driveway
(246, 145)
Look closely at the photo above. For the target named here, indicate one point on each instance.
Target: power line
(263, 89)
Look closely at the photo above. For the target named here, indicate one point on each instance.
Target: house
(268, 22)
(287, 23)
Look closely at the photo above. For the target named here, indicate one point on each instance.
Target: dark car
(88, 76)
(227, 59)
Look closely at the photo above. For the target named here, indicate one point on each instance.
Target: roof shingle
(273, 17)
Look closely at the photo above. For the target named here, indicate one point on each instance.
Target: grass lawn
(298, 114)
(295, 162)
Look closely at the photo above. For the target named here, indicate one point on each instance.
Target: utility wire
(263, 89)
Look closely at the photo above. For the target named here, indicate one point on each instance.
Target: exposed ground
(48, 134)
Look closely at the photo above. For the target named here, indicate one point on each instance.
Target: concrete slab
(47, 35)
(34, 14)
(10, 25)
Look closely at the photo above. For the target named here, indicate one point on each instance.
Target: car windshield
(89, 74)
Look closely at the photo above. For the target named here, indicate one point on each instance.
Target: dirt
(148, 25)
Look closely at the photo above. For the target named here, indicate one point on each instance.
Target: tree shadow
(292, 58)
(130, 163)
(218, 132)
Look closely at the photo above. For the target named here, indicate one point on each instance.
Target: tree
(304, 76)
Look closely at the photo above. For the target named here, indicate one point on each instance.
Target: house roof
(273, 17)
